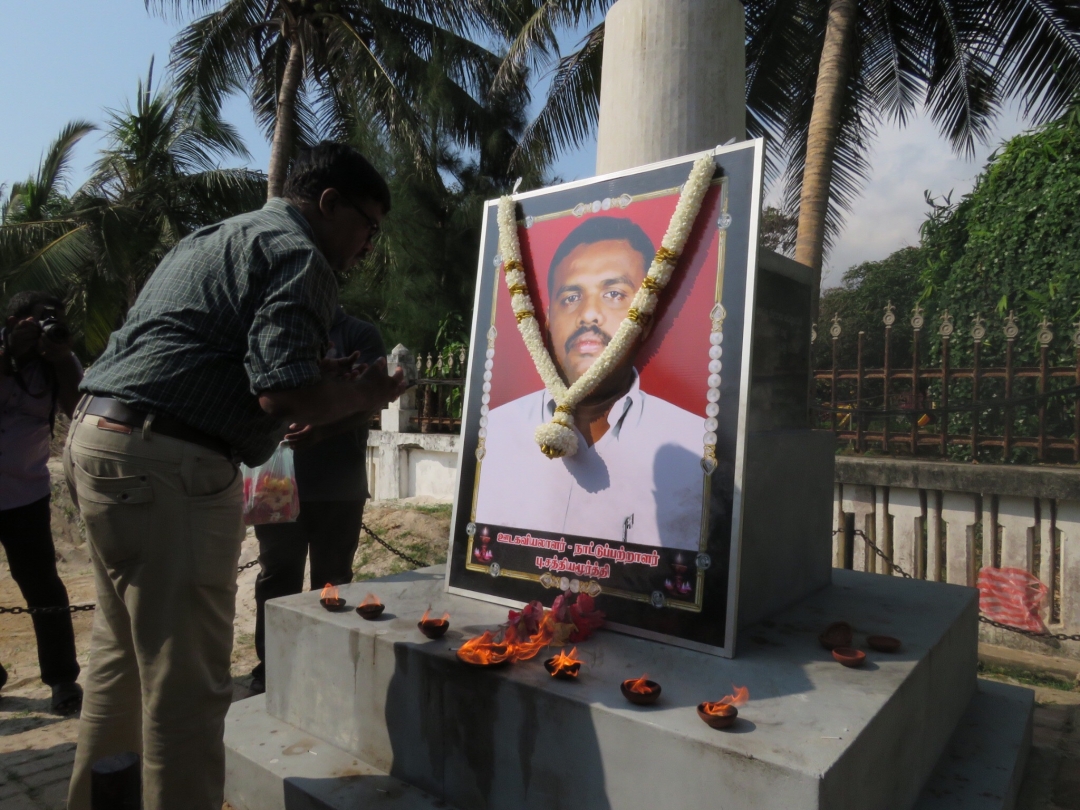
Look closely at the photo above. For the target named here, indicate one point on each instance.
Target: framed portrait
(646, 515)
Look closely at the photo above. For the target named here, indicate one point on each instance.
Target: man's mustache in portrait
(585, 330)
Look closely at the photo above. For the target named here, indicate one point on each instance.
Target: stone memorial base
(371, 714)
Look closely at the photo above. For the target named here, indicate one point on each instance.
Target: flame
(490, 649)
(371, 600)
(564, 662)
(329, 592)
(738, 698)
(427, 618)
(640, 685)
(483, 650)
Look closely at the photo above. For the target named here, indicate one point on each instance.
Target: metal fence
(440, 391)
(974, 396)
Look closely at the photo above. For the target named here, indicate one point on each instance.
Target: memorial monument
(636, 444)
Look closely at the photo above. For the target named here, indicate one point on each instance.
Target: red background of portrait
(673, 362)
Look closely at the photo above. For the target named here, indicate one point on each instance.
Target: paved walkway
(37, 750)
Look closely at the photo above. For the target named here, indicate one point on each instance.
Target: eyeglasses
(374, 229)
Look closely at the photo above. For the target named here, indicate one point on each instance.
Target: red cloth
(1011, 596)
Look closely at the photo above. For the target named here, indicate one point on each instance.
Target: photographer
(38, 375)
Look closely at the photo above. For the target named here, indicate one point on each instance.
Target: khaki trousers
(163, 519)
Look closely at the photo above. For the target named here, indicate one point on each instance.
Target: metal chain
(410, 560)
(39, 611)
(1029, 633)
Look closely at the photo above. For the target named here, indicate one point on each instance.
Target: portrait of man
(636, 476)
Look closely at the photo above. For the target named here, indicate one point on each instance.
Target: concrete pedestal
(815, 735)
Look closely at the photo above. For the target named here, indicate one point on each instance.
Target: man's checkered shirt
(235, 309)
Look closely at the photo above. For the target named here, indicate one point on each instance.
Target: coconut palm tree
(412, 66)
(821, 74)
(157, 179)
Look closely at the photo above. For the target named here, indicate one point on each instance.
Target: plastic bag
(270, 494)
(1012, 596)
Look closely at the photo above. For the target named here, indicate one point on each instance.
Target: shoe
(3, 676)
(67, 698)
(258, 679)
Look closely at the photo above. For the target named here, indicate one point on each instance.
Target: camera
(53, 327)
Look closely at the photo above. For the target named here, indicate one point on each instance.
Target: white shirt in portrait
(643, 477)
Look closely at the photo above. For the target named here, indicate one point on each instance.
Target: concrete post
(673, 82)
(395, 416)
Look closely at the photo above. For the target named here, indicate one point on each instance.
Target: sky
(70, 59)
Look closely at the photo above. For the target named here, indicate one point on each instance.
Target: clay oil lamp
(723, 712)
(484, 651)
(641, 691)
(370, 607)
(330, 600)
(564, 666)
(885, 644)
(433, 628)
(849, 656)
(837, 634)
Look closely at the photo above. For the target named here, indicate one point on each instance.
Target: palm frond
(573, 104)
(1040, 53)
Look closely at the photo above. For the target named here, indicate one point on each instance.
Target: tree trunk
(833, 72)
(281, 149)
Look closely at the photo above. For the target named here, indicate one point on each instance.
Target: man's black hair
(21, 305)
(339, 166)
(601, 229)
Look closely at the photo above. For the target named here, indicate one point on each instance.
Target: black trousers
(27, 539)
(331, 529)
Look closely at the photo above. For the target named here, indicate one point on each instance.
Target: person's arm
(68, 371)
(335, 398)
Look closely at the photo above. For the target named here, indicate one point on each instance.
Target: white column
(860, 500)
(673, 81)
(838, 526)
(1045, 532)
(905, 506)
(934, 539)
(989, 531)
(959, 510)
(1016, 517)
(1068, 524)
(395, 416)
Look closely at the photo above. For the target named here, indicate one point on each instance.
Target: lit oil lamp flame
(488, 648)
(329, 592)
(565, 664)
(740, 696)
(483, 650)
(371, 600)
(427, 618)
(640, 685)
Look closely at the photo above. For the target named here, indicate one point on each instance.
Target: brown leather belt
(116, 411)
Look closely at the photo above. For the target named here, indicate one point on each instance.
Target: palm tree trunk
(833, 72)
(281, 149)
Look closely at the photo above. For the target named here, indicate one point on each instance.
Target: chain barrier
(410, 560)
(42, 611)
(1029, 633)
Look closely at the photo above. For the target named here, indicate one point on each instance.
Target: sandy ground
(420, 529)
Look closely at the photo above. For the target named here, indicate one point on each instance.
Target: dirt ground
(26, 726)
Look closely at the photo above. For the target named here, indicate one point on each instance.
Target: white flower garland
(556, 438)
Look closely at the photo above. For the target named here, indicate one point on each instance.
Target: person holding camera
(39, 375)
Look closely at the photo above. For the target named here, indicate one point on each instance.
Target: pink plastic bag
(270, 494)
(1012, 596)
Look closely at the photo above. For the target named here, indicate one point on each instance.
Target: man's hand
(342, 366)
(300, 436)
(379, 387)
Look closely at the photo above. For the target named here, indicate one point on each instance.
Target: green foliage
(1011, 245)
(157, 179)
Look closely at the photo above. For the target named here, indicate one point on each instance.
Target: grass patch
(437, 509)
(1026, 677)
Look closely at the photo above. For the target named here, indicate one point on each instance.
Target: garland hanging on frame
(556, 438)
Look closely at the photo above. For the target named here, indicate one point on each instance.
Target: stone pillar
(395, 416)
(673, 82)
